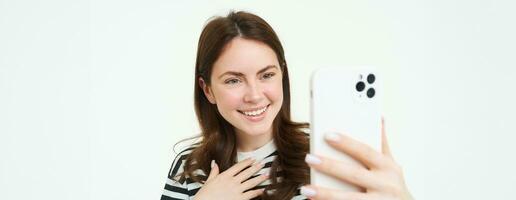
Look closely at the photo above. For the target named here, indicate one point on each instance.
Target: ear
(207, 91)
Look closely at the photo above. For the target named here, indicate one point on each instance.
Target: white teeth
(256, 112)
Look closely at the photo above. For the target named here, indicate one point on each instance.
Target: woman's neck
(246, 142)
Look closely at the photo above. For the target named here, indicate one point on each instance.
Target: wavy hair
(218, 135)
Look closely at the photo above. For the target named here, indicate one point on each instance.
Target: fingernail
(311, 159)
(332, 136)
(212, 163)
(309, 192)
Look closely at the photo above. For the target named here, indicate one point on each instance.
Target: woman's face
(246, 86)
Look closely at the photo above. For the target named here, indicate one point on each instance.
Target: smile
(255, 112)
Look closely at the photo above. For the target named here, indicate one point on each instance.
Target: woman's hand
(231, 184)
(382, 179)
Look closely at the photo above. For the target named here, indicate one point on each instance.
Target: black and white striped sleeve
(176, 188)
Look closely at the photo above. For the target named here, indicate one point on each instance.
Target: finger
(254, 181)
(359, 151)
(214, 170)
(244, 175)
(232, 171)
(386, 150)
(319, 193)
(253, 193)
(348, 172)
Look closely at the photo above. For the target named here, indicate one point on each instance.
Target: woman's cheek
(232, 97)
(274, 92)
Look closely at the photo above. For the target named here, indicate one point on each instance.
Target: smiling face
(246, 86)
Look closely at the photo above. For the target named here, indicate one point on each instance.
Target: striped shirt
(186, 189)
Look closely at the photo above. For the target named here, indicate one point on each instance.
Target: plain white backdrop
(94, 94)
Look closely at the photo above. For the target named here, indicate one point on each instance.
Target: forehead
(246, 56)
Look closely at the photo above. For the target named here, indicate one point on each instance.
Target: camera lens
(370, 92)
(360, 86)
(371, 78)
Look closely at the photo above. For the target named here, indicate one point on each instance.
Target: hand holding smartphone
(344, 100)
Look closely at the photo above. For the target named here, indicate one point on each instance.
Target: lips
(254, 112)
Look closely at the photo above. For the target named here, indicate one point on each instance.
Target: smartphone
(344, 100)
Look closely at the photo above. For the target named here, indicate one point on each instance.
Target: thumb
(214, 170)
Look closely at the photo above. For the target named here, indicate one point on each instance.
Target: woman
(249, 146)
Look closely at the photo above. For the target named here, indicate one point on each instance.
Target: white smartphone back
(344, 100)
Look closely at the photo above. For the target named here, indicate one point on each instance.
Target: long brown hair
(218, 135)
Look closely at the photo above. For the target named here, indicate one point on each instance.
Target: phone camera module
(371, 92)
(360, 86)
(371, 78)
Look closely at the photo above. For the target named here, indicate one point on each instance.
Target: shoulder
(180, 158)
(176, 186)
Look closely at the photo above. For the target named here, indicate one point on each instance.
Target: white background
(94, 94)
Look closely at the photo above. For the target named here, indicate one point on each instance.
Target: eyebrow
(240, 74)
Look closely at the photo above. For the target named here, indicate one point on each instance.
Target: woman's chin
(256, 132)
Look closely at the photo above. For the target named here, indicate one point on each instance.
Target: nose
(254, 93)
